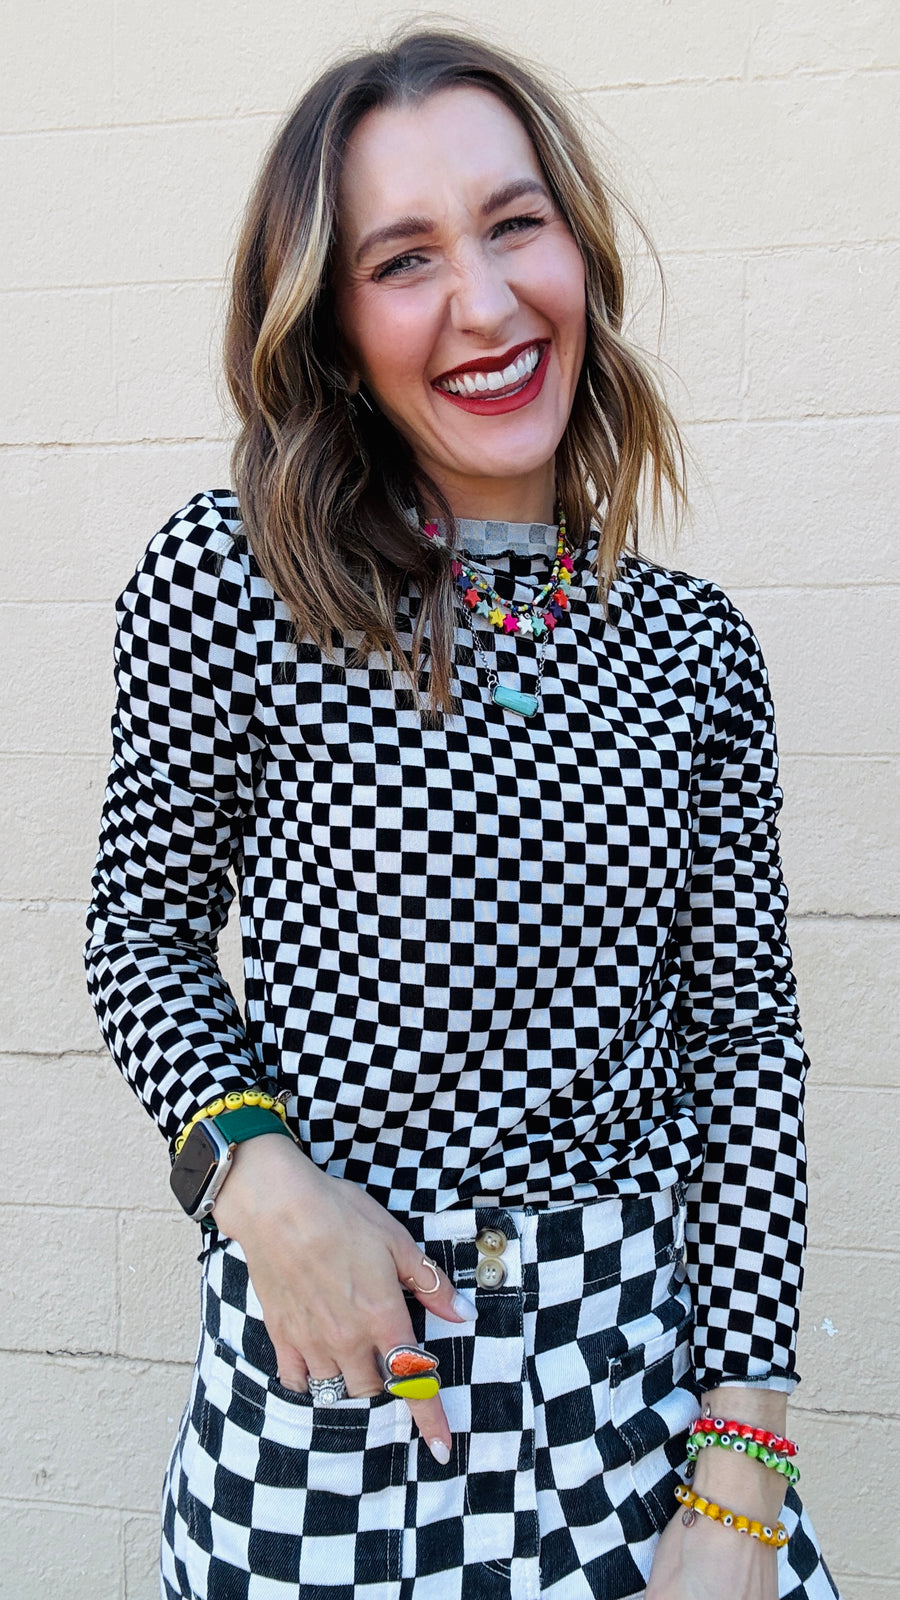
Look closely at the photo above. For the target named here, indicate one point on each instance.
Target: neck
(529, 499)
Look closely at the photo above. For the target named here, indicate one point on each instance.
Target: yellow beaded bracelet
(231, 1102)
(692, 1502)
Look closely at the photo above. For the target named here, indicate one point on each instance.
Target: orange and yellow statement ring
(693, 1502)
(410, 1372)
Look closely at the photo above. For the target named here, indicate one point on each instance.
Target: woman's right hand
(328, 1263)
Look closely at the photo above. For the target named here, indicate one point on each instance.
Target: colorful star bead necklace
(535, 617)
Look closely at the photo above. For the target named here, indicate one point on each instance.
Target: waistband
(617, 1232)
(521, 1202)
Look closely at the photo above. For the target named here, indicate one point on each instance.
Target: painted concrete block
(849, 1467)
(63, 1260)
(57, 664)
(833, 665)
(49, 818)
(852, 1134)
(91, 1431)
(699, 161)
(77, 521)
(141, 1558)
(50, 398)
(839, 858)
(159, 1285)
(799, 503)
(700, 356)
(141, 364)
(127, 205)
(206, 63)
(848, 1331)
(58, 65)
(849, 998)
(45, 1002)
(791, 36)
(822, 331)
(62, 1549)
(127, 1171)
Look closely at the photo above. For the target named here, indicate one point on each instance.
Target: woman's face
(460, 297)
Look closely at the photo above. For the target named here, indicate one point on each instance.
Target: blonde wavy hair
(325, 485)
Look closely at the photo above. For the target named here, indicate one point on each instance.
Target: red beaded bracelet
(743, 1430)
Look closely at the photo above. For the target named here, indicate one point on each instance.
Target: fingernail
(439, 1450)
(465, 1308)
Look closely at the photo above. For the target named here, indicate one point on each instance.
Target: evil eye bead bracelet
(696, 1505)
(771, 1450)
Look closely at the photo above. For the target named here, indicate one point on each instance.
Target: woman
(501, 802)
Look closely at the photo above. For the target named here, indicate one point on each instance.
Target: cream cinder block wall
(755, 137)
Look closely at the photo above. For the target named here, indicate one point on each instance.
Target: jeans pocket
(653, 1401)
(238, 1388)
(290, 1492)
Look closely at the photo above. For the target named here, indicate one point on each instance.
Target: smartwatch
(204, 1160)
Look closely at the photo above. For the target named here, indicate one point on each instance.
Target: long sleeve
(740, 1041)
(180, 784)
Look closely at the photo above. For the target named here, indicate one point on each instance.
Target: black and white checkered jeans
(568, 1401)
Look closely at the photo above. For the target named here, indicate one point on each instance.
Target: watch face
(195, 1165)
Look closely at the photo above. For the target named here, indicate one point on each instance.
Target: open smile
(491, 386)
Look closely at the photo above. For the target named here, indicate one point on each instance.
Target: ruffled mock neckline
(484, 541)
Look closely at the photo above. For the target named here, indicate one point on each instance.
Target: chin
(497, 464)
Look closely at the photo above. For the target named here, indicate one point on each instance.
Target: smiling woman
(518, 989)
(432, 209)
(491, 274)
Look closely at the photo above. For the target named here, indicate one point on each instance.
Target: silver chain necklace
(525, 705)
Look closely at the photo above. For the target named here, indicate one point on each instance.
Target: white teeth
(482, 382)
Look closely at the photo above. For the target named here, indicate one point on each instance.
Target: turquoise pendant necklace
(524, 705)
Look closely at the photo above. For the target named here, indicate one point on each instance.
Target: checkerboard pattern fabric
(498, 956)
(569, 1402)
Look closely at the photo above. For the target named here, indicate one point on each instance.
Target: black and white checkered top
(500, 956)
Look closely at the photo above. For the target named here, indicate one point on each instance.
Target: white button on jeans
(491, 1242)
(490, 1273)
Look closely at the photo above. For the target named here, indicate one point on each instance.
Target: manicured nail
(465, 1308)
(439, 1450)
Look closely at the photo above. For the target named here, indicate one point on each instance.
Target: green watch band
(248, 1122)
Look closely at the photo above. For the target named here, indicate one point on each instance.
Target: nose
(483, 300)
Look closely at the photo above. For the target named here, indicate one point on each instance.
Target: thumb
(431, 1287)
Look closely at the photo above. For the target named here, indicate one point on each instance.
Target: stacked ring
(327, 1391)
(409, 1372)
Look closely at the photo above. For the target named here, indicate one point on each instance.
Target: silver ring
(326, 1391)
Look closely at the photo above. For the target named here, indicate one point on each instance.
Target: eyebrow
(412, 227)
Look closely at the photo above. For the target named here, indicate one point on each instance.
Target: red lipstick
(489, 363)
(480, 405)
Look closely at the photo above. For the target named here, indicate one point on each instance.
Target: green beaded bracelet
(758, 1452)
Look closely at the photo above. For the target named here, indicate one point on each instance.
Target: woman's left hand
(705, 1562)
